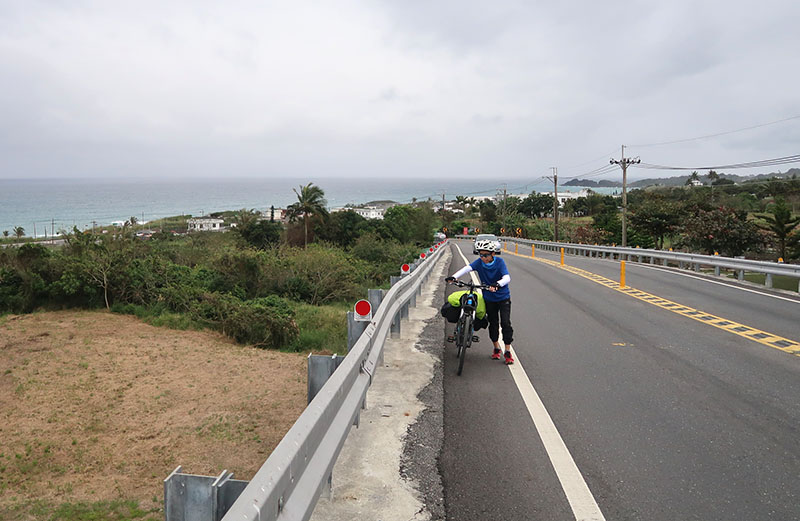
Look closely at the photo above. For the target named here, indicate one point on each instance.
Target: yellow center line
(762, 337)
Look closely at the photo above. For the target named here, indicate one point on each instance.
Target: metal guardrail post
(355, 328)
(768, 281)
(395, 331)
(375, 297)
(188, 497)
(320, 369)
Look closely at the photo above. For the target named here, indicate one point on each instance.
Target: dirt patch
(97, 406)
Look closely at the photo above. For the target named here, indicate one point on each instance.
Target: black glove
(450, 279)
(495, 286)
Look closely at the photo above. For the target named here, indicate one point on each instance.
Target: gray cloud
(92, 88)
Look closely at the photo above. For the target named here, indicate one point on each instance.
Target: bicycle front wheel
(464, 341)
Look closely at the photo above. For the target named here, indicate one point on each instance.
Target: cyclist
(493, 271)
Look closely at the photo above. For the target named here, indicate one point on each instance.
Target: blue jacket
(490, 275)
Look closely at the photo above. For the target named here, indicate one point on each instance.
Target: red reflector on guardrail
(363, 310)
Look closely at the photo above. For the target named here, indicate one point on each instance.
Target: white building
(563, 197)
(367, 212)
(281, 214)
(205, 224)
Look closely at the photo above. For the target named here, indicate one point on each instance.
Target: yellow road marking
(762, 337)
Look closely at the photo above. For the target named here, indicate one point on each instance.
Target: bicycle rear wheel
(464, 341)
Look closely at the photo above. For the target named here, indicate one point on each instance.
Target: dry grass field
(96, 409)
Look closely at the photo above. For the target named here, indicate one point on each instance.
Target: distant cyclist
(493, 271)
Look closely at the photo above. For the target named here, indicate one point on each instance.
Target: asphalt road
(665, 417)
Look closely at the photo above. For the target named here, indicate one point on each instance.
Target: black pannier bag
(452, 313)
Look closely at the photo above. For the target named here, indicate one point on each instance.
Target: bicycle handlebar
(470, 285)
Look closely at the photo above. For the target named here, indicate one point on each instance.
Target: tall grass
(322, 328)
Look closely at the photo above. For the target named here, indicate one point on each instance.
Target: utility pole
(505, 206)
(554, 179)
(442, 204)
(624, 162)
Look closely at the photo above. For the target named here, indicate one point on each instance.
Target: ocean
(50, 205)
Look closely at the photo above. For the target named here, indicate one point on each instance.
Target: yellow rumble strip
(751, 333)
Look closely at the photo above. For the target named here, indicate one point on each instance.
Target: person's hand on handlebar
(450, 279)
(493, 287)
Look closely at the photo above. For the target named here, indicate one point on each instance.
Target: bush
(264, 322)
(319, 275)
(383, 258)
(322, 328)
(541, 230)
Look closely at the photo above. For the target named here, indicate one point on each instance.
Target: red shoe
(508, 358)
(496, 354)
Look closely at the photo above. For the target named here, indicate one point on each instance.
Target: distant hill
(593, 184)
(681, 180)
(738, 179)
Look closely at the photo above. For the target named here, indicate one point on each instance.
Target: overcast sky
(505, 89)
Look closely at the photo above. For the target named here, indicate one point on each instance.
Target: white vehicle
(486, 237)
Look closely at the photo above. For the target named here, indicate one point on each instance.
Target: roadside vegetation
(265, 283)
(760, 220)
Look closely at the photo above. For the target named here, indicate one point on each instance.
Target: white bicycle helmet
(492, 246)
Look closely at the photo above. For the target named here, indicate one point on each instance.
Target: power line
(753, 164)
(715, 135)
(605, 169)
(593, 160)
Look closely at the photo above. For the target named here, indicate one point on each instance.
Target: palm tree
(712, 177)
(780, 223)
(692, 178)
(19, 231)
(5, 233)
(310, 201)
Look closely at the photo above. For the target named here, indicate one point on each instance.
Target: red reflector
(405, 268)
(421, 255)
(363, 307)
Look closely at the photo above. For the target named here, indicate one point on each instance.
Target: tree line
(757, 219)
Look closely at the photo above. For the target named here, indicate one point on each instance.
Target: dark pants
(503, 309)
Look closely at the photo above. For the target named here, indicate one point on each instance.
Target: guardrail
(289, 483)
(682, 260)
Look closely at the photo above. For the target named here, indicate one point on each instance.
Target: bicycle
(463, 335)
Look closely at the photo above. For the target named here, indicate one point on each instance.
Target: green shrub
(265, 322)
(322, 328)
(319, 275)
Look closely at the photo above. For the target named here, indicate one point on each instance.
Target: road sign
(362, 311)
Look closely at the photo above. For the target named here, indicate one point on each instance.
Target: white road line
(580, 498)
(577, 491)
